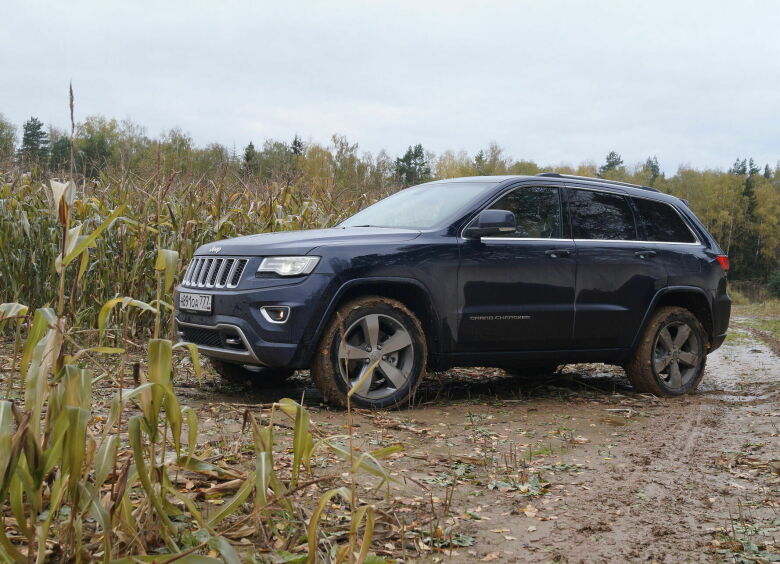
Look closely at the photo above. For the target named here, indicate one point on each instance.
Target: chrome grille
(214, 272)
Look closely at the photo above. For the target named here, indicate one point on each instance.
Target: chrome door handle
(645, 254)
(557, 253)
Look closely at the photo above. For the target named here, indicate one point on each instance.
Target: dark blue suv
(520, 272)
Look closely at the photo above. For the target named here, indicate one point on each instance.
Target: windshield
(419, 207)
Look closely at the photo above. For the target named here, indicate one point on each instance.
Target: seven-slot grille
(217, 272)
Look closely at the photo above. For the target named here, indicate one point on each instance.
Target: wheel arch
(691, 298)
(413, 294)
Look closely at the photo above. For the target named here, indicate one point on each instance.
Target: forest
(289, 184)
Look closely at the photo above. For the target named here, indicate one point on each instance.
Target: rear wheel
(671, 355)
(376, 346)
(251, 375)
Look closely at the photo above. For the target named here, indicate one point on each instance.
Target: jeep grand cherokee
(511, 272)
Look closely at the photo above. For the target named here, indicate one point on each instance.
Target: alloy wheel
(676, 355)
(381, 345)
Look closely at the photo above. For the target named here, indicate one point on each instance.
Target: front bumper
(237, 331)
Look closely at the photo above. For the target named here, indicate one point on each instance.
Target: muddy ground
(575, 469)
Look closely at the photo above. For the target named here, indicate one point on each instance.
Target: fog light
(275, 314)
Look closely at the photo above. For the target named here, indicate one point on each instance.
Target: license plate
(195, 302)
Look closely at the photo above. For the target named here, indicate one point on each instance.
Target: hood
(302, 242)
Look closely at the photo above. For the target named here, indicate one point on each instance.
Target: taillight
(723, 261)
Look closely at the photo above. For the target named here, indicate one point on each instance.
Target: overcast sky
(694, 82)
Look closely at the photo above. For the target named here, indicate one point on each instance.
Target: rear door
(517, 290)
(617, 274)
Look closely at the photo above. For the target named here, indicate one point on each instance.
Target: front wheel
(374, 346)
(671, 355)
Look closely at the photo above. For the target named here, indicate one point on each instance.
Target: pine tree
(250, 158)
(413, 167)
(296, 146)
(59, 155)
(479, 162)
(739, 167)
(614, 163)
(652, 168)
(767, 172)
(35, 143)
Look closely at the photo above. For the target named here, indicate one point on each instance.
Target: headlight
(288, 266)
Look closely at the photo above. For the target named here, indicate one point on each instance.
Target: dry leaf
(529, 510)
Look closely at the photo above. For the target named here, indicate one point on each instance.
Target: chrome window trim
(491, 239)
(630, 241)
(525, 239)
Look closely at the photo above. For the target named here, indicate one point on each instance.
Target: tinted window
(662, 223)
(598, 215)
(537, 212)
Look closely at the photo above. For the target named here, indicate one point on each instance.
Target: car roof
(569, 179)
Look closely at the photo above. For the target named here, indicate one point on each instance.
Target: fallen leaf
(490, 557)
(529, 510)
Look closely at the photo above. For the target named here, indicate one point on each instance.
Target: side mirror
(491, 222)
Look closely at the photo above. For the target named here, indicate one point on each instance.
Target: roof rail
(591, 179)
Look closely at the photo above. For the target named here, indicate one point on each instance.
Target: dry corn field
(118, 445)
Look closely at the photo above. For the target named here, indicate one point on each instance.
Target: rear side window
(537, 212)
(661, 223)
(599, 215)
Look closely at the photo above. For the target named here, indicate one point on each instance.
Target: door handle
(645, 254)
(557, 253)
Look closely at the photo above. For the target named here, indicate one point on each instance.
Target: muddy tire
(670, 357)
(371, 332)
(257, 377)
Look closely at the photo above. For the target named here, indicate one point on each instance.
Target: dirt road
(575, 469)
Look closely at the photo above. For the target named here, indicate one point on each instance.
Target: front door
(617, 274)
(516, 291)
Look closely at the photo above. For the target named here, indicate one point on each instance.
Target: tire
(533, 370)
(254, 376)
(671, 355)
(353, 342)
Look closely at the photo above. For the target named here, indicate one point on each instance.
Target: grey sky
(694, 82)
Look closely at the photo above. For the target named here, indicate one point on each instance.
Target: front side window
(600, 215)
(537, 212)
(661, 223)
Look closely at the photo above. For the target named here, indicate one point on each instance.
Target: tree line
(739, 205)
